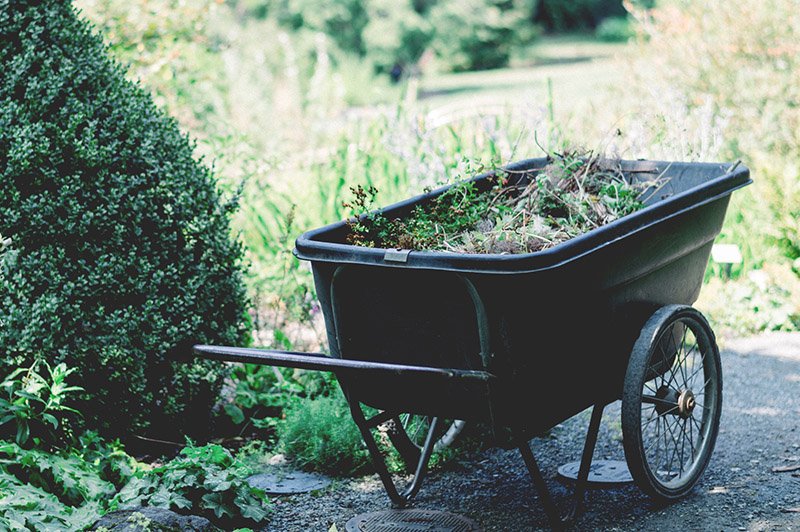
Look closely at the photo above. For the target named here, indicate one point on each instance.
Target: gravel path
(760, 430)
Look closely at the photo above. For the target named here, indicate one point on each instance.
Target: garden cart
(523, 342)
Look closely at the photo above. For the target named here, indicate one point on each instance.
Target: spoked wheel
(671, 402)
(409, 437)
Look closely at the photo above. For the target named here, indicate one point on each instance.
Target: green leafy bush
(395, 34)
(749, 93)
(319, 435)
(615, 29)
(108, 459)
(342, 20)
(479, 34)
(121, 255)
(44, 487)
(767, 299)
(206, 481)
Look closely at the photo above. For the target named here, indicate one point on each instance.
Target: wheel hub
(667, 398)
(686, 403)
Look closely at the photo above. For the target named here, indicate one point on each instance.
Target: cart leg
(422, 465)
(398, 500)
(541, 487)
(586, 461)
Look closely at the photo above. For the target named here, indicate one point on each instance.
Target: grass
(578, 66)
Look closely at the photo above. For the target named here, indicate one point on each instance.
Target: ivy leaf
(167, 498)
(251, 507)
(216, 503)
(134, 492)
(218, 481)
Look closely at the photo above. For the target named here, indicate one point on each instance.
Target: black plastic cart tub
(523, 342)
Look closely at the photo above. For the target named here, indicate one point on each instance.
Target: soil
(744, 488)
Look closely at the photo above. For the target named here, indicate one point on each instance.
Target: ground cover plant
(202, 480)
(54, 480)
(574, 193)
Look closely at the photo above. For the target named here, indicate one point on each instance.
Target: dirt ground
(741, 489)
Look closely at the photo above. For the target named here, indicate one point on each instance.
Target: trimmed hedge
(121, 256)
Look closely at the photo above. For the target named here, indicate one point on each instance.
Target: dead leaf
(790, 510)
(786, 469)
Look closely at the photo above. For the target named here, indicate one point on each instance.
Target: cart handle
(340, 366)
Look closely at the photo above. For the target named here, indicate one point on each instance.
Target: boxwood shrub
(121, 255)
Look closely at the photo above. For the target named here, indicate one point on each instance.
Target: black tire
(667, 406)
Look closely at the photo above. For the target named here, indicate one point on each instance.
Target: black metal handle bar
(340, 366)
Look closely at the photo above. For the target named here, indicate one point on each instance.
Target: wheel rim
(680, 401)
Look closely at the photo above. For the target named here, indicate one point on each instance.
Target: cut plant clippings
(519, 212)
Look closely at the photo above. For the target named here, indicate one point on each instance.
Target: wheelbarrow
(523, 342)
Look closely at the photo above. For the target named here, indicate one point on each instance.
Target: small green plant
(108, 459)
(32, 405)
(260, 396)
(319, 435)
(575, 193)
(205, 480)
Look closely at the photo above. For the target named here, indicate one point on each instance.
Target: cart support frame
(399, 500)
(403, 499)
(556, 521)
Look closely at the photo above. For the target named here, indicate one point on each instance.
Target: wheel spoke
(656, 441)
(699, 428)
(683, 445)
(693, 352)
(651, 399)
(666, 444)
(674, 449)
(702, 364)
(681, 364)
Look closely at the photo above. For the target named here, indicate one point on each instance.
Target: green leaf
(218, 481)
(216, 503)
(50, 419)
(235, 413)
(23, 432)
(135, 491)
(251, 507)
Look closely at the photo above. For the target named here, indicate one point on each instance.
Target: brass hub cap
(686, 403)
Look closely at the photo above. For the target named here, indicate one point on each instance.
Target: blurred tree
(396, 35)
(342, 20)
(566, 15)
(480, 34)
